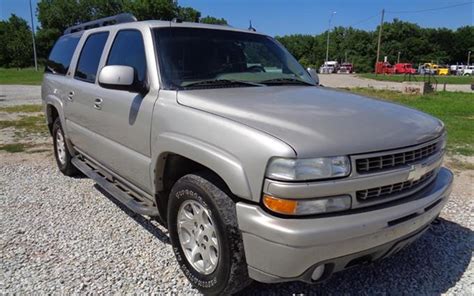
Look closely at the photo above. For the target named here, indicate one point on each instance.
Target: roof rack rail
(106, 21)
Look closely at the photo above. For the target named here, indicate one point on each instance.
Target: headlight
(307, 206)
(292, 169)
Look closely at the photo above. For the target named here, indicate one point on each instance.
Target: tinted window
(128, 50)
(90, 57)
(192, 55)
(61, 55)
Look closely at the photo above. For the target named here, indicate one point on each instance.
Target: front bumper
(279, 249)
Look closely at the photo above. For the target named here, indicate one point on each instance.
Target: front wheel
(206, 240)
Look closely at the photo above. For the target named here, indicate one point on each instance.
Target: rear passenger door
(121, 125)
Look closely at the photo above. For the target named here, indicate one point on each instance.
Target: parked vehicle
(256, 174)
(467, 71)
(383, 68)
(346, 68)
(403, 68)
(433, 69)
(443, 70)
(456, 69)
(329, 67)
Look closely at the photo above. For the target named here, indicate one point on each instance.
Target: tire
(61, 152)
(229, 274)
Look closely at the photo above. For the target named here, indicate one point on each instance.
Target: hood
(318, 121)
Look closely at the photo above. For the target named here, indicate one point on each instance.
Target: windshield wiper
(221, 82)
(285, 81)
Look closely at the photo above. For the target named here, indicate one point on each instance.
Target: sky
(282, 17)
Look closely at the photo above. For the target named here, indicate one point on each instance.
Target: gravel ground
(64, 235)
(351, 81)
(19, 94)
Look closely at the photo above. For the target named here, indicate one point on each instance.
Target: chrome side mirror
(312, 72)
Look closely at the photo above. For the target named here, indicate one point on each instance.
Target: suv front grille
(393, 189)
(391, 161)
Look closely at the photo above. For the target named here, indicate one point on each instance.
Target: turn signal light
(278, 205)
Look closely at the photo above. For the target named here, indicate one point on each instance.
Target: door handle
(70, 95)
(98, 103)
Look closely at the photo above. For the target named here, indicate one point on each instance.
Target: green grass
(455, 109)
(22, 109)
(440, 79)
(22, 76)
(13, 148)
(28, 124)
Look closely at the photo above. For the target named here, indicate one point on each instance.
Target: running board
(118, 190)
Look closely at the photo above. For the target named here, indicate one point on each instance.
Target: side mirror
(121, 78)
(312, 72)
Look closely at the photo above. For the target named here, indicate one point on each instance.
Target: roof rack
(106, 21)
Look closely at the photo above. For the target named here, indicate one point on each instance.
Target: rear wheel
(61, 151)
(206, 240)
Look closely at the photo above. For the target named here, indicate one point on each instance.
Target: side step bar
(126, 196)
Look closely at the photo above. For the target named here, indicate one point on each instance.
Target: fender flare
(224, 164)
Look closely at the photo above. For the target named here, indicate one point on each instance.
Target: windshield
(195, 57)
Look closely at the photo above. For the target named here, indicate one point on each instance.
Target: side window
(89, 59)
(128, 50)
(60, 57)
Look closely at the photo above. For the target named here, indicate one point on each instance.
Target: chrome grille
(391, 161)
(393, 189)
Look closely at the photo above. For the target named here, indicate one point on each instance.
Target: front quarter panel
(237, 153)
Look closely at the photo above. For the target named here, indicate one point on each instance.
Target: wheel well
(175, 166)
(51, 113)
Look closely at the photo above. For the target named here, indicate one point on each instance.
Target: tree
(57, 15)
(188, 14)
(15, 43)
(213, 20)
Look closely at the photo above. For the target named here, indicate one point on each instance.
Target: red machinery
(404, 68)
(383, 68)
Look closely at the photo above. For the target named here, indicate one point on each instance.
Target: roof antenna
(251, 28)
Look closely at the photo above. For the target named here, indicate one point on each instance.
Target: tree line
(415, 44)
(55, 16)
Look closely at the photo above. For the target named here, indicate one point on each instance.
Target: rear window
(60, 57)
(89, 59)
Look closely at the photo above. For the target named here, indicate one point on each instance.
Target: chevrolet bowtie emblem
(416, 172)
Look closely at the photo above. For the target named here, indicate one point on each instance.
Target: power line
(430, 9)
(364, 20)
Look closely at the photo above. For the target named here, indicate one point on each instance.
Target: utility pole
(33, 37)
(329, 30)
(398, 58)
(380, 38)
(468, 58)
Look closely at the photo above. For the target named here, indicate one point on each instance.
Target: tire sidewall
(214, 282)
(63, 167)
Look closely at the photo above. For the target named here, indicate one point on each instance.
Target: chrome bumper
(279, 249)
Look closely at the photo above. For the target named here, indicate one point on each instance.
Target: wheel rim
(60, 147)
(198, 236)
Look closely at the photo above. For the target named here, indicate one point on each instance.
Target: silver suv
(257, 171)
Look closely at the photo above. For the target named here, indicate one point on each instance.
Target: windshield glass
(195, 57)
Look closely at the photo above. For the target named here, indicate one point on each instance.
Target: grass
(13, 148)
(28, 124)
(21, 76)
(420, 78)
(455, 109)
(22, 109)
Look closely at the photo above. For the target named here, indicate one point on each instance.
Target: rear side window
(128, 50)
(89, 59)
(60, 57)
